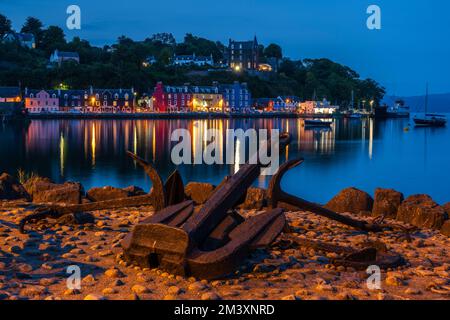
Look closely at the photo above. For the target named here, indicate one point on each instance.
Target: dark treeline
(121, 65)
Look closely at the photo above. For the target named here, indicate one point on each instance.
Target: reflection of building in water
(319, 140)
(199, 138)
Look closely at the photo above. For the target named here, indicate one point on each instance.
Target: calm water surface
(363, 153)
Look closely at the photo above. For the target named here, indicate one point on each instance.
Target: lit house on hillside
(24, 39)
(243, 55)
(193, 59)
(58, 57)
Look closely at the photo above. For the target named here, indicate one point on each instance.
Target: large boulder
(447, 208)
(43, 190)
(199, 192)
(351, 200)
(421, 211)
(11, 189)
(445, 229)
(106, 193)
(387, 202)
(254, 199)
(38, 184)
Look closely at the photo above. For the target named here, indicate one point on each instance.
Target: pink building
(41, 101)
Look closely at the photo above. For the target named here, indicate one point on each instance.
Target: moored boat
(430, 119)
(318, 123)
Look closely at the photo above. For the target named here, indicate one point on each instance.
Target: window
(126, 96)
(54, 96)
(31, 95)
(116, 96)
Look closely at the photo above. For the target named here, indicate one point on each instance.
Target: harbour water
(364, 153)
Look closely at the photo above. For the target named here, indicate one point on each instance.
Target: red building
(171, 98)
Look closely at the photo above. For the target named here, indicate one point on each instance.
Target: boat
(352, 114)
(430, 119)
(399, 110)
(317, 123)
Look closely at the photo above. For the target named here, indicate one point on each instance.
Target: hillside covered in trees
(122, 65)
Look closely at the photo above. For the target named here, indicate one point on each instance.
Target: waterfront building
(324, 107)
(171, 98)
(24, 39)
(306, 107)
(183, 60)
(237, 96)
(109, 100)
(243, 55)
(266, 104)
(280, 103)
(187, 98)
(207, 99)
(58, 57)
(10, 94)
(72, 100)
(41, 101)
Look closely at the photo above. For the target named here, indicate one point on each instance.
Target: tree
(273, 51)
(5, 25)
(34, 26)
(53, 38)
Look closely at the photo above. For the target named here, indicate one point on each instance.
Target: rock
(11, 189)
(94, 297)
(254, 199)
(199, 192)
(138, 289)
(174, 290)
(77, 218)
(114, 273)
(106, 193)
(107, 291)
(447, 208)
(394, 281)
(210, 296)
(386, 202)
(421, 211)
(445, 230)
(44, 191)
(197, 286)
(351, 200)
(290, 297)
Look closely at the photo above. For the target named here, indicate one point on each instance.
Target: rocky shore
(34, 265)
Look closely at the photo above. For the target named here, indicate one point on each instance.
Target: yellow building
(207, 99)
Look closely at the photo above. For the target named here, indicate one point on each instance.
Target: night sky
(412, 47)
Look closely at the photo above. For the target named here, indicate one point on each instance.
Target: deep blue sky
(412, 48)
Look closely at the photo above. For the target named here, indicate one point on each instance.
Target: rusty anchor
(210, 242)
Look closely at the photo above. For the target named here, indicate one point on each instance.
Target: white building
(193, 60)
(60, 56)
